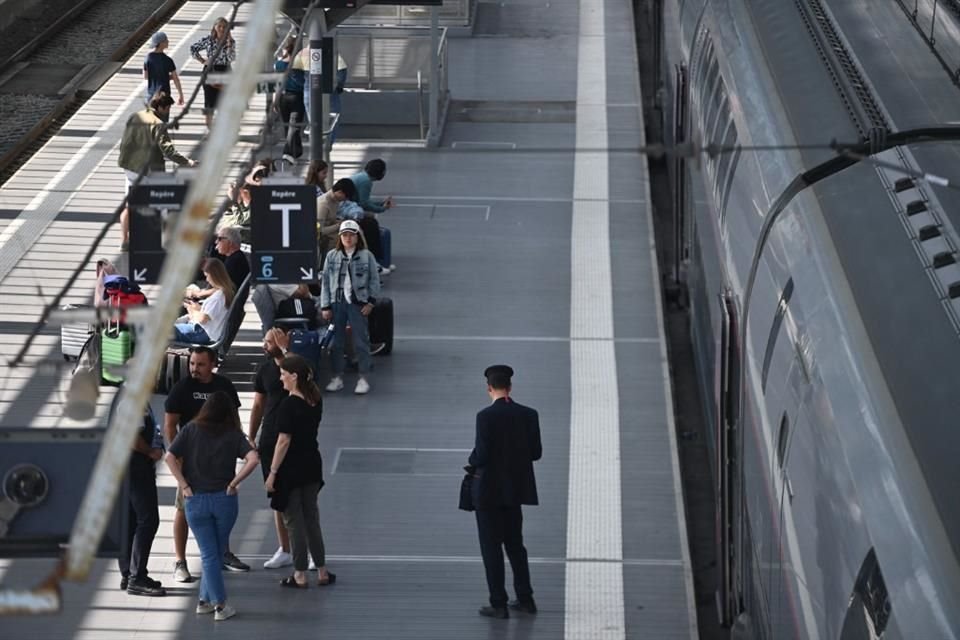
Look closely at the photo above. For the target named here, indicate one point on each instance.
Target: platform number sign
(154, 207)
(284, 233)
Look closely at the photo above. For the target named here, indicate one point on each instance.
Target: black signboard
(154, 206)
(283, 229)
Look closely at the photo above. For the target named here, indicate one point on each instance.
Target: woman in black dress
(296, 473)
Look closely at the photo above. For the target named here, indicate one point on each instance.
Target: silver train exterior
(836, 427)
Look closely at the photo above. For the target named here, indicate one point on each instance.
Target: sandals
(331, 578)
(291, 582)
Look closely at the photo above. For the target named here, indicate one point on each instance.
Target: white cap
(349, 226)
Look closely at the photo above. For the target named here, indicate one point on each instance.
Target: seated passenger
(227, 245)
(267, 297)
(328, 223)
(205, 323)
(317, 176)
(381, 246)
(238, 215)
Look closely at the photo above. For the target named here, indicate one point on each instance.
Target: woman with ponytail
(296, 472)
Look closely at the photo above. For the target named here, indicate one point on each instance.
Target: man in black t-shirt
(183, 403)
(268, 392)
(143, 511)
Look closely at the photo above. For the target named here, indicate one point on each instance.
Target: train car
(834, 382)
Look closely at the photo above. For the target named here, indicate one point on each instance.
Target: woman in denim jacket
(349, 290)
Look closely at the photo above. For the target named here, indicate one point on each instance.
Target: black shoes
(124, 581)
(526, 606)
(494, 612)
(145, 587)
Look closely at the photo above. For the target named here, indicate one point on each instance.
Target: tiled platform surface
(483, 242)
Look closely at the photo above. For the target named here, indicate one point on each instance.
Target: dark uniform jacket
(508, 441)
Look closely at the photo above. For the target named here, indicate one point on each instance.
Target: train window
(708, 107)
(782, 304)
(869, 610)
(727, 165)
(783, 437)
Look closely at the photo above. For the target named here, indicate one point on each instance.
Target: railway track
(47, 79)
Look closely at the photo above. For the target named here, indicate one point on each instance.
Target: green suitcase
(116, 347)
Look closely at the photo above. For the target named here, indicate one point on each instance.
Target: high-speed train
(824, 295)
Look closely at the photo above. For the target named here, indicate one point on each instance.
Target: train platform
(526, 238)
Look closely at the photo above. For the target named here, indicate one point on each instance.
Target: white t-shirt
(215, 307)
(347, 282)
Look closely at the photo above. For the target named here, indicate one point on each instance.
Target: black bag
(174, 366)
(304, 308)
(466, 490)
(380, 324)
(371, 233)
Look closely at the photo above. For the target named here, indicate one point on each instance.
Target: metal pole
(434, 117)
(318, 108)
(190, 236)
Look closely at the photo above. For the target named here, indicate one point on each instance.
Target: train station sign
(154, 206)
(283, 230)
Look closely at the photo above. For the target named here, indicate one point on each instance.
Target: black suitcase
(174, 366)
(380, 324)
(371, 233)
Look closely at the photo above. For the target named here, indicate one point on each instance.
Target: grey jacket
(363, 277)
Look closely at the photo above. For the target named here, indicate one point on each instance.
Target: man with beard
(146, 143)
(183, 404)
(268, 392)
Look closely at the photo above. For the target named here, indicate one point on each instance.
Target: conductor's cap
(498, 370)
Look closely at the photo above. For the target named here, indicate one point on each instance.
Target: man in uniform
(507, 444)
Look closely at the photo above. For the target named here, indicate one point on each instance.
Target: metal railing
(453, 13)
(385, 58)
(398, 59)
(938, 21)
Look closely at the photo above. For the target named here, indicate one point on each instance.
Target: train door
(727, 461)
(783, 564)
(681, 124)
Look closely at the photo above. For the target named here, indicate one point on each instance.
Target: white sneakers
(280, 559)
(336, 384)
(362, 386)
(224, 613)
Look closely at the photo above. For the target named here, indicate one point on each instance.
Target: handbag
(466, 489)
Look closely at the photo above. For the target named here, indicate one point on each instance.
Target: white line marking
(584, 197)
(467, 144)
(629, 562)
(430, 338)
(593, 603)
(405, 449)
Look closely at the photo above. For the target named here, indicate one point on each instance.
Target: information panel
(283, 230)
(154, 206)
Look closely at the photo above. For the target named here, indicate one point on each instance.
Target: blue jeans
(386, 245)
(189, 332)
(211, 517)
(345, 313)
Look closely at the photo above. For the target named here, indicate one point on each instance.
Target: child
(159, 68)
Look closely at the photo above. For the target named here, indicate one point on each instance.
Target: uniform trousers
(502, 528)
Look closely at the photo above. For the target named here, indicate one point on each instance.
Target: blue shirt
(364, 185)
(158, 66)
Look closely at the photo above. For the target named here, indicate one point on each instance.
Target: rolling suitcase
(306, 343)
(380, 325)
(73, 335)
(116, 347)
(174, 366)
